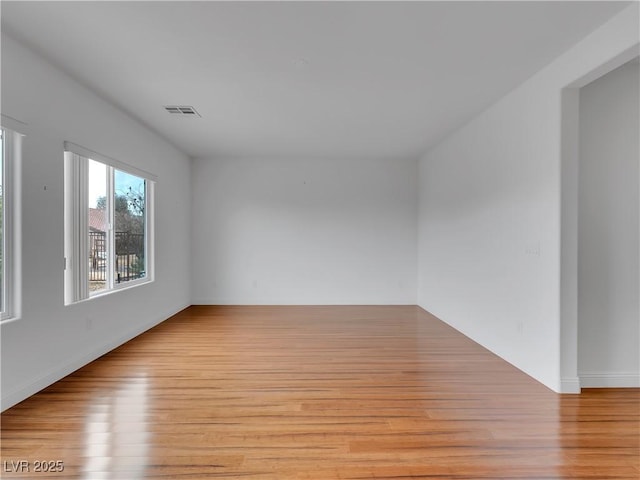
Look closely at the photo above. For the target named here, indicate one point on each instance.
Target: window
(10, 151)
(108, 225)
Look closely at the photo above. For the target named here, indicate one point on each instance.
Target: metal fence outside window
(129, 256)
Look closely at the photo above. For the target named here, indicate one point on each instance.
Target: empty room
(320, 240)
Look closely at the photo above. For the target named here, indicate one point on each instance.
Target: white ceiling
(313, 79)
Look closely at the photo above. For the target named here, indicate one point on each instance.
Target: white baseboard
(305, 303)
(570, 385)
(610, 380)
(24, 391)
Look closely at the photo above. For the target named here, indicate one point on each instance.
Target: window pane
(130, 202)
(98, 226)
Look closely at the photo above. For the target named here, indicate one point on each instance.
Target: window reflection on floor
(117, 435)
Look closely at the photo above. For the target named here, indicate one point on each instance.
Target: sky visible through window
(97, 182)
(123, 181)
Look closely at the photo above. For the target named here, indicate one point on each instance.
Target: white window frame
(13, 132)
(76, 239)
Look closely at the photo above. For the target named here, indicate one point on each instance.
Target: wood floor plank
(316, 393)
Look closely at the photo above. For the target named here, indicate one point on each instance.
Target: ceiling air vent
(183, 110)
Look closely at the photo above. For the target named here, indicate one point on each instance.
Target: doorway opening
(608, 302)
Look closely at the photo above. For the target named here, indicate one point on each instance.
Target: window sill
(6, 320)
(122, 287)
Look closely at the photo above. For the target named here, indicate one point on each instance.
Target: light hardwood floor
(317, 393)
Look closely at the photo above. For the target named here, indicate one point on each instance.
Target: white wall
(608, 268)
(51, 340)
(298, 231)
(490, 213)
